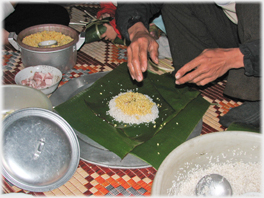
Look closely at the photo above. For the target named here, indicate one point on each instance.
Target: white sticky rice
(121, 116)
(243, 177)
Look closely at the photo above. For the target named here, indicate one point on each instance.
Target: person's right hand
(141, 44)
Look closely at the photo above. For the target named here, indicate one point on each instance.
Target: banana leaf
(236, 126)
(86, 112)
(176, 131)
(95, 29)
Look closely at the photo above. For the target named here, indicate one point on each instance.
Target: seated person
(108, 10)
(207, 41)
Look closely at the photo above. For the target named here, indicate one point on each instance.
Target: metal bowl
(17, 97)
(220, 147)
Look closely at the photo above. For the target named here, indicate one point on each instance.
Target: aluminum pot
(63, 57)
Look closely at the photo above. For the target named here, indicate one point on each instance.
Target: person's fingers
(103, 35)
(138, 72)
(106, 25)
(191, 77)
(129, 63)
(152, 49)
(188, 67)
(137, 64)
(105, 15)
(143, 61)
(153, 52)
(139, 58)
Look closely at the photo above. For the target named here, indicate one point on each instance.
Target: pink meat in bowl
(39, 80)
(42, 77)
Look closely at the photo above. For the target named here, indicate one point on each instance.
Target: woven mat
(90, 179)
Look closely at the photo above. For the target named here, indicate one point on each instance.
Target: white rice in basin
(243, 177)
(133, 108)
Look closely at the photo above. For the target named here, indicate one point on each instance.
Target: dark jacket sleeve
(127, 14)
(251, 51)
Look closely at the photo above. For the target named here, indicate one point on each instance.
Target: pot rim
(49, 27)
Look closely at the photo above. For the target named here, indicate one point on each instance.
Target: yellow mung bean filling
(34, 39)
(134, 103)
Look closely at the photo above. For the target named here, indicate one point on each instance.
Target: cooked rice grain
(243, 177)
(133, 108)
(34, 39)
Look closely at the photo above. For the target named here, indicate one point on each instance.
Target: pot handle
(12, 38)
(81, 40)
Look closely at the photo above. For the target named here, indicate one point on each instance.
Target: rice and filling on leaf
(133, 108)
(179, 111)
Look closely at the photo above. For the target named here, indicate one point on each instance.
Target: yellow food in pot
(34, 39)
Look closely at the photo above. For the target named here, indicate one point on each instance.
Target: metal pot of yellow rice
(63, 55)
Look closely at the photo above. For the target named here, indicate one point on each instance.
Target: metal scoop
(47, 43)
(213, 185)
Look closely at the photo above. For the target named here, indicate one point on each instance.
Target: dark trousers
(191, 28)
(29, 14)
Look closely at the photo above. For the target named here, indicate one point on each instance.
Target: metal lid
(40, 150)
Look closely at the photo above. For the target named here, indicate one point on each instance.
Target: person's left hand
(209, 65)
(5, 35)
(110, 33)
(105, 15)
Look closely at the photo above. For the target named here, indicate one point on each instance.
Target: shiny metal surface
(40, 151)
(97, 154)
(63, 57)
(18, 96)
(47, 43)
(213, 185)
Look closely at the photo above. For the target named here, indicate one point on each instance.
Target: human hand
(209, 65)
(110, 33)
(105, 15)
(5, 35)
(141, 44)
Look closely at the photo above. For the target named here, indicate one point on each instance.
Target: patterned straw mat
(91, 179)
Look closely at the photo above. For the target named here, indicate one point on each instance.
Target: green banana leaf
(86, 112)
(176, 131)
(235, 126)
(95, 29)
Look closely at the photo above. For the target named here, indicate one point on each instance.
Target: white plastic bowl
(219, 147)
(17, 97)
(30, 71)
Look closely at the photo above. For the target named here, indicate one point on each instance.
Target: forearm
(129, 14)
(138, 27)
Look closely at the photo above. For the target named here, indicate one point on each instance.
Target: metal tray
(90, 150)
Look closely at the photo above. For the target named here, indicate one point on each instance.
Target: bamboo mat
(90, 179)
